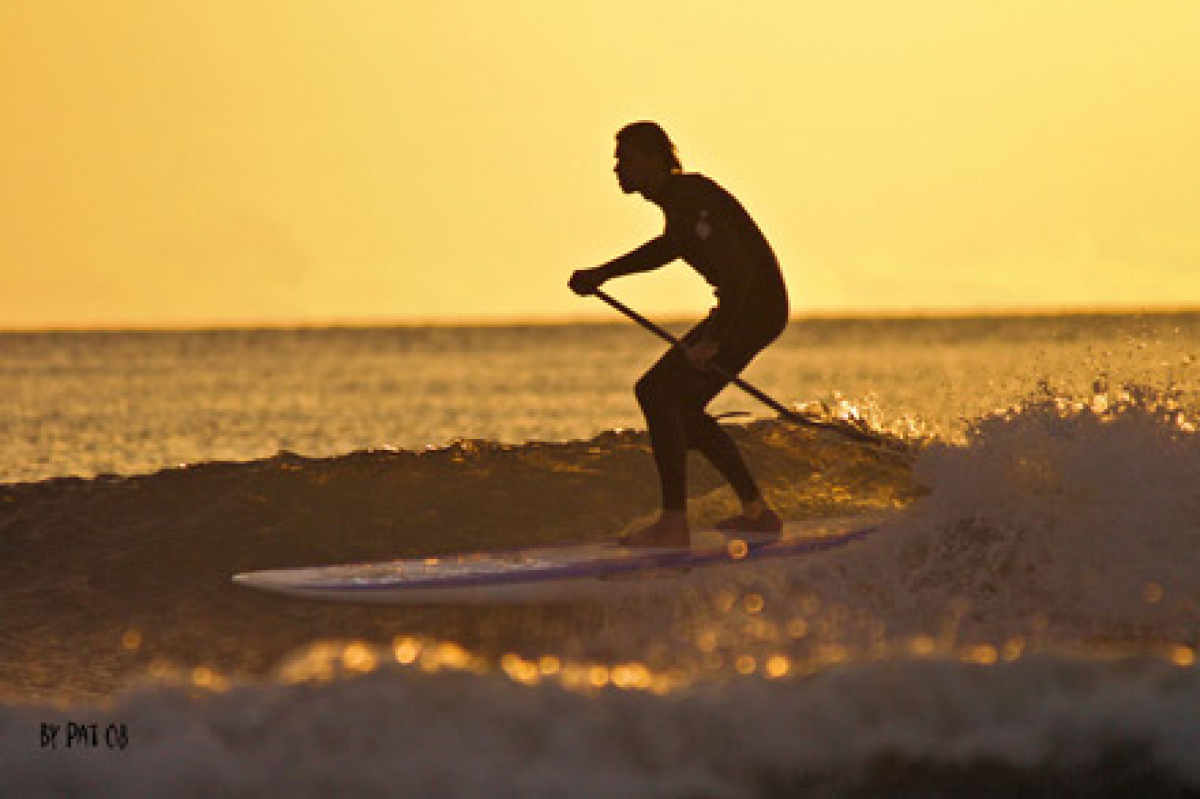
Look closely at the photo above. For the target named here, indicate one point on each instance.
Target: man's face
(635, 170)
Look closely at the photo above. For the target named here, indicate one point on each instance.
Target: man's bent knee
(649, 391)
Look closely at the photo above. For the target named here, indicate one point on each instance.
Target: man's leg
(660, 393)
(707, 436)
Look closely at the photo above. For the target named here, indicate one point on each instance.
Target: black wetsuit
(709, 229)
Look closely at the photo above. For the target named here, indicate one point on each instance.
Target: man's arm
(651, 255)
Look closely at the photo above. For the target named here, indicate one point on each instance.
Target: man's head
(645, 157)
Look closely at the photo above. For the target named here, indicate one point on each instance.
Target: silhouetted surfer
(709, 229)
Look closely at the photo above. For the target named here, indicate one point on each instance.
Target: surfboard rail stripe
(602, 561)
(648, 562)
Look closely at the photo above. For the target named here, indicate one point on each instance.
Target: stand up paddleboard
(551, 573)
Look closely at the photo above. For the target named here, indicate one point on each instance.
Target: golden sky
(281, 161)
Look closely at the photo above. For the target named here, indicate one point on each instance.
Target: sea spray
(1083, 516)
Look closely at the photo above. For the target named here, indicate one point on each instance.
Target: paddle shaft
(736, 380)
(877, 442)
(783, 410)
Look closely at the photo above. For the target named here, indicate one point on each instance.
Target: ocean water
(1025, 620)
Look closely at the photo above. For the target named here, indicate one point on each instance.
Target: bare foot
(764, 520)
(669, 531)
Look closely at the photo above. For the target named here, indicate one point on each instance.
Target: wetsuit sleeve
(651, 255)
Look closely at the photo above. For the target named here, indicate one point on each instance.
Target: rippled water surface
(1025, 619)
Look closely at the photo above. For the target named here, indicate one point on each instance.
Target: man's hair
(650, 138)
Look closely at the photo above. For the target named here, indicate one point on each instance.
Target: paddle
(845, 428)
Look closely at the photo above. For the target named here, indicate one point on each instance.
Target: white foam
(1082, 518)
(407, 733)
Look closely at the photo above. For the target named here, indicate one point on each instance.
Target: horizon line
(450, 321)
